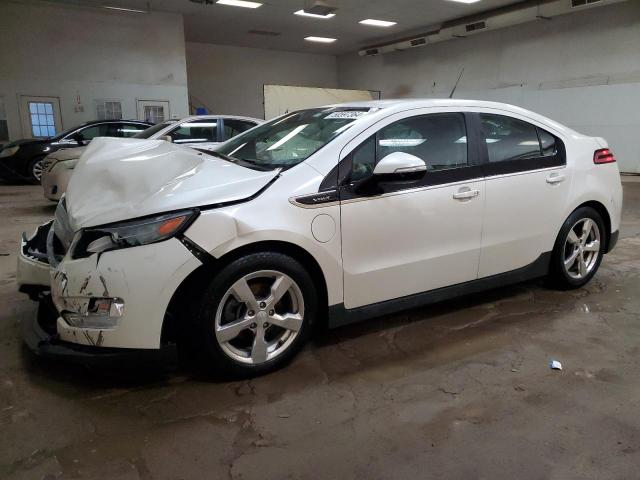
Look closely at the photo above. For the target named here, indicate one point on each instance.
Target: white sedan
(202, 131)
(331, 214)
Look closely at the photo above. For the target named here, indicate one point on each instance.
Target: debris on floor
(555, 365)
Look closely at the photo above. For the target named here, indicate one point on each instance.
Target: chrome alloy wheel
(37, 170)
(582, 248)
(259, 317)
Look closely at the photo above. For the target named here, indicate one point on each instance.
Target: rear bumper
(40, 336)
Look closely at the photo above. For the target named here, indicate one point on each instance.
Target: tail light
(604, 155)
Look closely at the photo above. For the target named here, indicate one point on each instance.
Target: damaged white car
(329, 214)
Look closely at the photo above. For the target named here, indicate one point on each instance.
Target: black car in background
(22, 160)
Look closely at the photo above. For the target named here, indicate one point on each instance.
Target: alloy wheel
(259, 317)
(37, 170)
(582, 248)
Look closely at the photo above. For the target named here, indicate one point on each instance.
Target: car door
(402, 238)
(199, 133)
(527, 187)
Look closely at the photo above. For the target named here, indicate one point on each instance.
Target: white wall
(90, 53)
(582, 69)
(229, 80)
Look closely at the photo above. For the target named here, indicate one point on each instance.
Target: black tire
(202, 341)
(559, 275)
(32, 176)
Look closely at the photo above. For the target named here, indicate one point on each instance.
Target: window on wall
(4, 128)
(42, 119)
(109, 110)
(154, 113)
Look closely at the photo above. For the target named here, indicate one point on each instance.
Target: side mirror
(166, 138)
(400, 166)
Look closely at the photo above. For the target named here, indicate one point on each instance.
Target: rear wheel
(579, 249)
(255, 315)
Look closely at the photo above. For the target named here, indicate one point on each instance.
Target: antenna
(457, 82)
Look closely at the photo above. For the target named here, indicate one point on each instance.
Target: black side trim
(197, 251)
(327, 196)
(523, 165)
(339, 315)
(613, 240)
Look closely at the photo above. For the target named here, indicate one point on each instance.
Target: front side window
(196, 131)
(129, 129)
(509, 138)
(292, 138)
(439, 139)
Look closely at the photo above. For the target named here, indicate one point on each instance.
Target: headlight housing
(63, 165)
(132, 233)
(8, 152)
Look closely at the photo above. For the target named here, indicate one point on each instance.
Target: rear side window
(509, 138)
(129, 129)
(197, 131)
(235, 127)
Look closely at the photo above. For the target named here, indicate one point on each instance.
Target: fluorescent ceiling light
(123, 9)
(465, 1)
(320, 39)
(239, 3)
(313, 15)
(377, 23)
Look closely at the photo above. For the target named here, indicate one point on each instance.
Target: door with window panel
(40, 116)
(526, 181)
(407, 237)
(153, 111)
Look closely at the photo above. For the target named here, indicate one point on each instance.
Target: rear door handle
(466, 194)
(555, 178)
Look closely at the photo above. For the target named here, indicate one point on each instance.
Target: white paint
(89, 54)
(280, 99)
(582, 69)
(230, 80)
(385, 246)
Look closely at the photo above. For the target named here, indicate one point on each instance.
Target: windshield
(290, 139)
(152, 130)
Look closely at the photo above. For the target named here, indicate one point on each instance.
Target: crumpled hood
(118, 179)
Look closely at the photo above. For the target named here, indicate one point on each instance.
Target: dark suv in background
(22, 160)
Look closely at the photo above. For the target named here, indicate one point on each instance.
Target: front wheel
(579, 249)
(36, 168)
(255, 315)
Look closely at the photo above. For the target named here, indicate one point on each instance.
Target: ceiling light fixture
(320, 39)
(377, 23)
(123, 9)
(313, 15)
(465, 1)
(239, 3)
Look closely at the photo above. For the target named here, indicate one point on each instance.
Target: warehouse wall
(582, 69)
(229, 80)
(86, 54)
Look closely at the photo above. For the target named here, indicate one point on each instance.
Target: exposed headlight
(64, 165)
(133, 233)
(7, 152)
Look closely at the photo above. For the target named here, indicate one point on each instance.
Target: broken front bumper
(39, 334)
(117, 299)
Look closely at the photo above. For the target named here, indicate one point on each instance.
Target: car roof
(402, 104)
(207, 117)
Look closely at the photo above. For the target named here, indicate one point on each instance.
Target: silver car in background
(202, 131)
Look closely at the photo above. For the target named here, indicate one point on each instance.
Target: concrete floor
(461, 390)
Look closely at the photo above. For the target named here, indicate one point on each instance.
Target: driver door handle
(465, 194)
